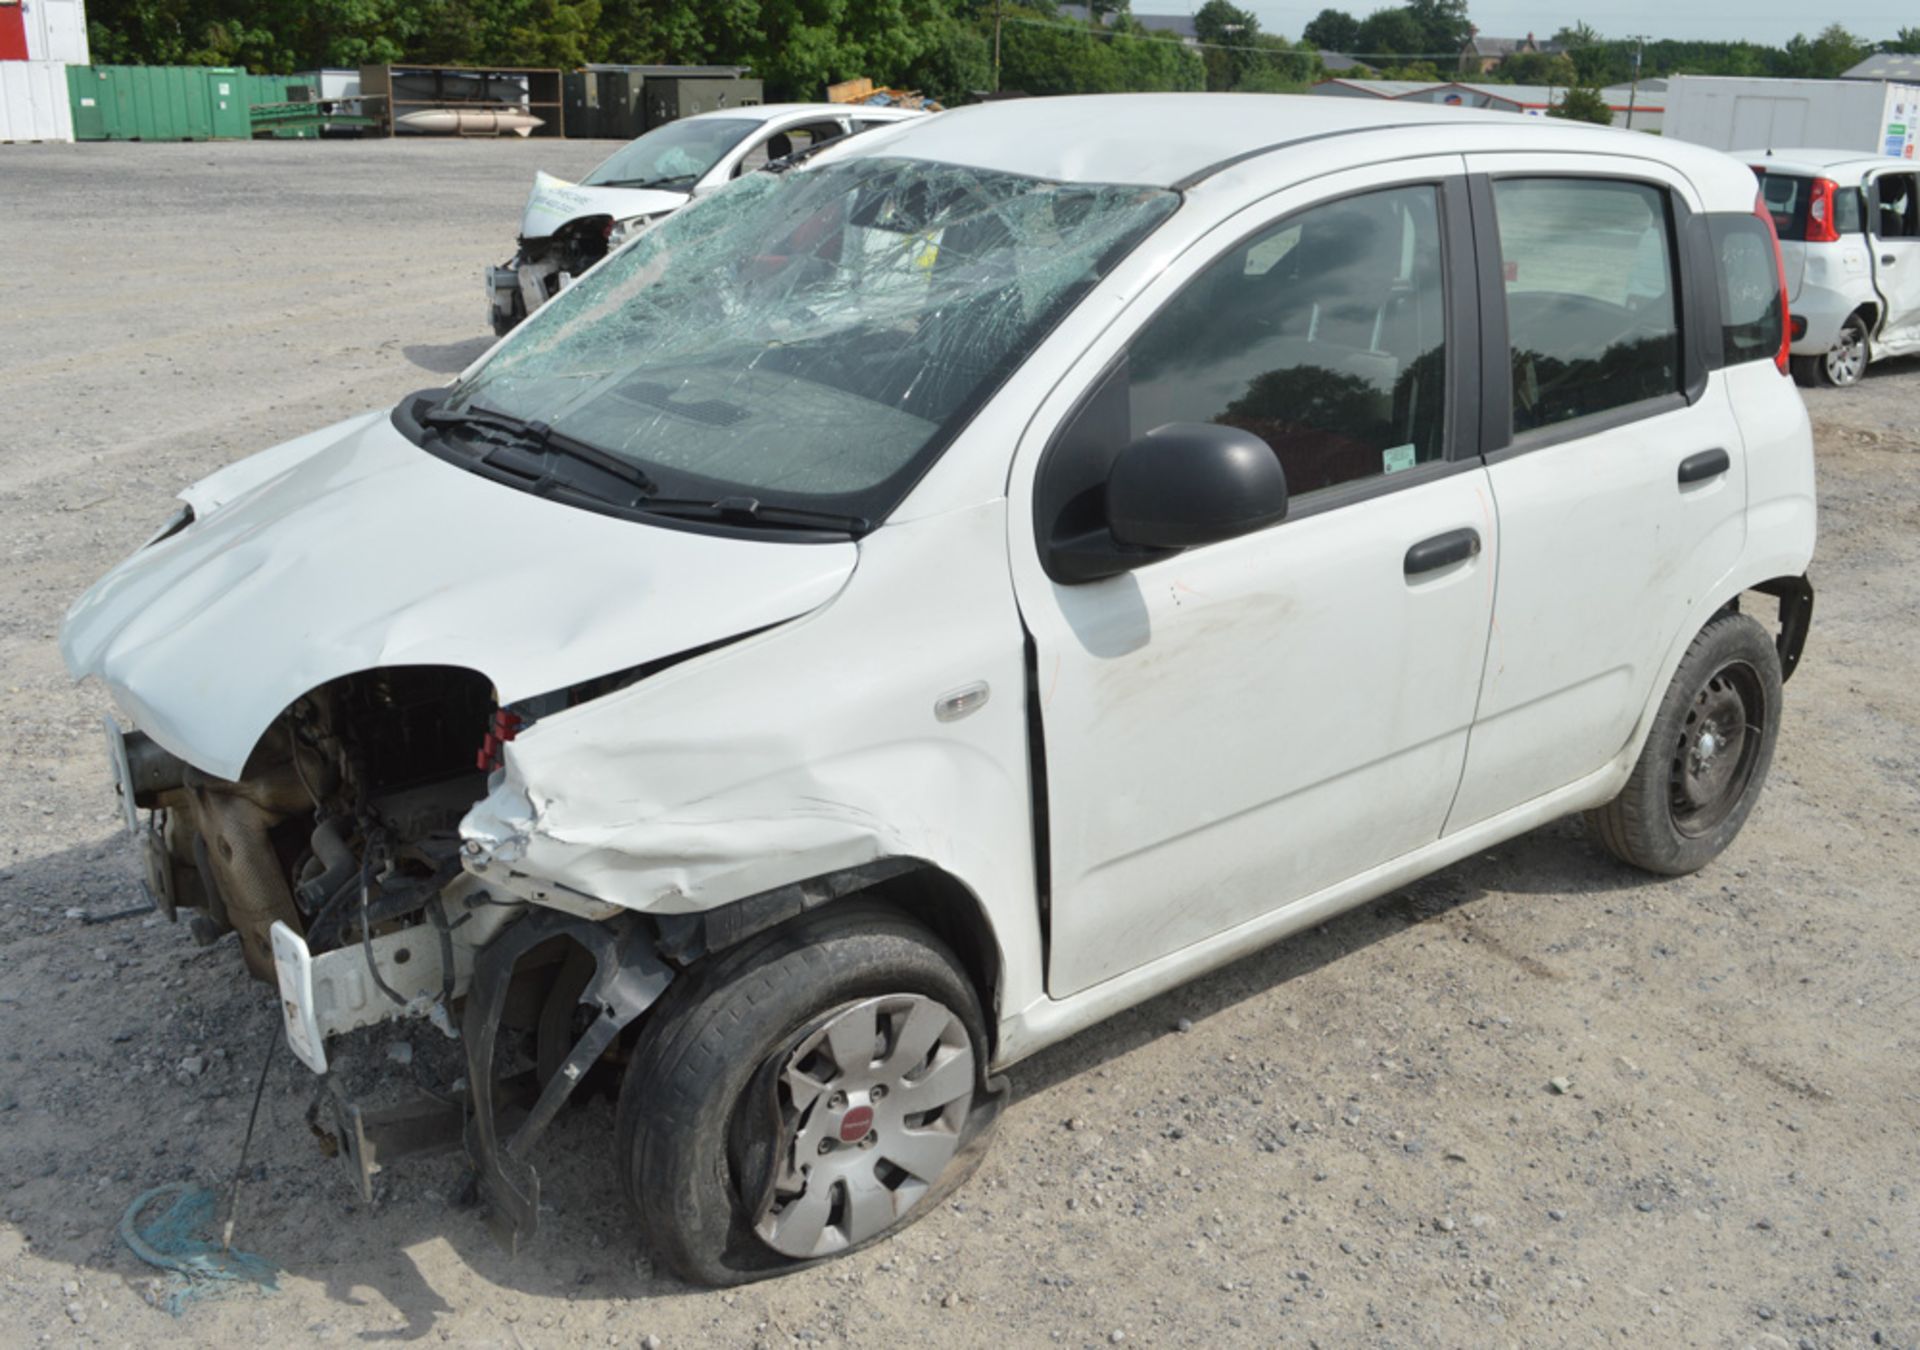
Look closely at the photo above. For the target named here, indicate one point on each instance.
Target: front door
(1895, 226)
(1240, 725)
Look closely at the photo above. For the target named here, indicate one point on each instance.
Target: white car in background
(1849, 227)
(568, 227)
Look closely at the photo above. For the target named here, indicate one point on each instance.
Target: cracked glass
(813, 338)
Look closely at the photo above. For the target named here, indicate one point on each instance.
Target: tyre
(801, 1096)
(506, 323)
(1845, 362)
(1706, 757)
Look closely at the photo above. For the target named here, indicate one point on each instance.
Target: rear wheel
(801, 1096)
(1707, 756)
(1845, 362)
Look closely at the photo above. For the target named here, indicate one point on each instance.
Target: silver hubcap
(874, 1099)
(1847, 361)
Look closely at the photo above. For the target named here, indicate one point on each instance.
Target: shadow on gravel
(1556, 861)
(445, 358)
(128, 1058)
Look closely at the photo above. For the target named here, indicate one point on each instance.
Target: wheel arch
(1793, 589)
(914, 888)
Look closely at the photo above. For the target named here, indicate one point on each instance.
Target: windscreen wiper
(521, 431)
(750, 510)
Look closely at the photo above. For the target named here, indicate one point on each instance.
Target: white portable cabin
(1874, 117)
(34, 103)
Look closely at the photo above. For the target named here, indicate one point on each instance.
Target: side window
(1750, 313)
(783, 143)
(1899, 214)
(1587, 267)
(1849, 211)
(1324, 336)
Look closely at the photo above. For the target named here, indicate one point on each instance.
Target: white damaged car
(903, 610)
(568, 227)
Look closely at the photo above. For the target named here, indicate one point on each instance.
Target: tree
(1223, 26)
(1907, 40)
(1583, 105)
(1393, 32)
(1536, 68)
(1825, 57)
(1444, 27)
(1332, 30)
(1592, 61)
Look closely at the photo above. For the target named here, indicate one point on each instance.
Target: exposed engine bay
(344, 824)
(544, 267)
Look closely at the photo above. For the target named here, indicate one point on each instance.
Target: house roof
(1886, 66)
(1384, 89)
(1341, 61)
(1180, 25)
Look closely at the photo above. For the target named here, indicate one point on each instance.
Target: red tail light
(1781, 357)
(503, 728)
(1820, 228)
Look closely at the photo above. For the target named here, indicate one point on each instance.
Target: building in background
(1483, 55)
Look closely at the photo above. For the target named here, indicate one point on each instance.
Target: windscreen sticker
(1397, 457)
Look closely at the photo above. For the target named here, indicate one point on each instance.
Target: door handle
(1706, 464)
(1887, 260)
(1443, 550)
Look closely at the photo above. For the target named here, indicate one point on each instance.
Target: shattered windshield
(674, 156)
(811, 339)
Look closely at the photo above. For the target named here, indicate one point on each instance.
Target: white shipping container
(1870, 116)
(33, 101)
(56, 30)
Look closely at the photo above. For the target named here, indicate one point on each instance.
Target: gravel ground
(1351, 1139)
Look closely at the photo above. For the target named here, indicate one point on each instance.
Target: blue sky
(1769, 21)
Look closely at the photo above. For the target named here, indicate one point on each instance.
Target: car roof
(1831, 163)
(768, 112)
(1168, 140)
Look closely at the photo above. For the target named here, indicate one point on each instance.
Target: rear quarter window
(1750, 311)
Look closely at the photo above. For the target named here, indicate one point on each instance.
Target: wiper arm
(750, 510)
(541, 436)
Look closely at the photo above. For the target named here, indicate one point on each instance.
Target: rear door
(1894, 221)
(1614, 458)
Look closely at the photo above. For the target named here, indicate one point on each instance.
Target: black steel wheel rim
(1717, 748)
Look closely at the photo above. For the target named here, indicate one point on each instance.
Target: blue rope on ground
(173, 1242)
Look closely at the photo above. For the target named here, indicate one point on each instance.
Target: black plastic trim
(1796, 618)
(1201, 175)
(1495, 385)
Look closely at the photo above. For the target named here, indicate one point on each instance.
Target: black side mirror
(1191, 483)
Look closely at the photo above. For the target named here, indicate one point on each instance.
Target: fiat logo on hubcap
(856, 1124)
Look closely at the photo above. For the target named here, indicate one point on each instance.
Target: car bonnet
(372, 552)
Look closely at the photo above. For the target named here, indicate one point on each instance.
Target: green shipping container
(159, 103)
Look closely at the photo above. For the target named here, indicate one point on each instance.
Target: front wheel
(1707, 756)
(801, 1096)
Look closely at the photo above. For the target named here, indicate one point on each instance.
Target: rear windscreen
(1788, 196)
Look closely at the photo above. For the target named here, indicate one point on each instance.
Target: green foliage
(1583, 105)
(1906, 40)
(1444, 26)
(1048, 58)
(1332, 30)
(1534, 68)
(1388, 32)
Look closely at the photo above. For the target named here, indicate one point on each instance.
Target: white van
(1849, 227)
(901, 611)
